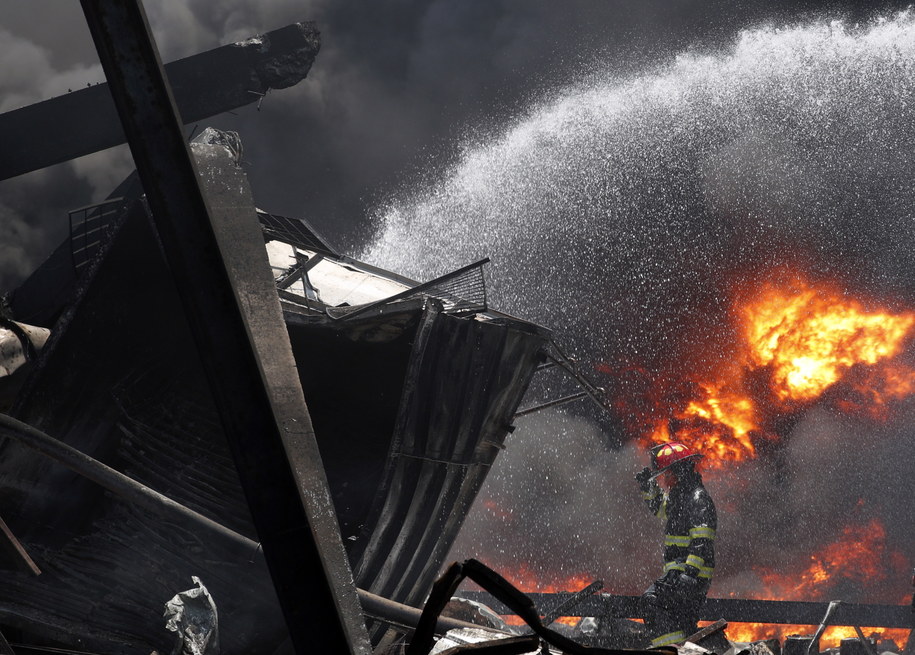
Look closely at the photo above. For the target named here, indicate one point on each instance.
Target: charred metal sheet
(219, 80)
(228, 295)
(294, 231)
(464, 380)
(732, 609)
(458, 398)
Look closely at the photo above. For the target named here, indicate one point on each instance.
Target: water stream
(622, 211)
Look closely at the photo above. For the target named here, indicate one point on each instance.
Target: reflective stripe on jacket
(689, 540)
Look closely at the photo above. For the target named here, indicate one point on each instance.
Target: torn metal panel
(204, 85)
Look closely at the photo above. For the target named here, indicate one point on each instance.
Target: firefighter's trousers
(670, 616)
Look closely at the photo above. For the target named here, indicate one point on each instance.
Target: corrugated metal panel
(465, 380)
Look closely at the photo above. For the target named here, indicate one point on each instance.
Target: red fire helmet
(668, 454)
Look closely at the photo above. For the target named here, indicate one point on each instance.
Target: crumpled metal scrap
(192, 614)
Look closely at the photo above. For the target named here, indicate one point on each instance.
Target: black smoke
(627, 213)
(541, 134)
(394, 90)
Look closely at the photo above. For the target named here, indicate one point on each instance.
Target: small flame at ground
(831, 637)
(858, 557)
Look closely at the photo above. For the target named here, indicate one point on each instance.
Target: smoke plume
(626, 213)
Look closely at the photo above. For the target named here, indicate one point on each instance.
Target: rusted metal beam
(15, 551)
(214, 248)
(210, 83)
(573, 600)
(732, 609)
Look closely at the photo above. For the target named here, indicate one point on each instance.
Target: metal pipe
(551, 403)
(415, 290)
(815, 640)
(116, 482)
(734, 609)
(383, 609)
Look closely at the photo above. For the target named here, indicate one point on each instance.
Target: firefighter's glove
(643, 477)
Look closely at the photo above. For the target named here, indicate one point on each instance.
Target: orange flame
(717, 423)
(811, 337)
(831, 637)
(859, 556)
(855, 557)
(530, 581)
(794, 342)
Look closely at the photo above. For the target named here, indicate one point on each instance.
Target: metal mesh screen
(89, 227)
(463, 291)
(293, 231)
(466, 293)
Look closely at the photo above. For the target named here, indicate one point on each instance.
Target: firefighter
(671, 605)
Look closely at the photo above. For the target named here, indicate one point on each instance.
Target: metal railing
(463, 291)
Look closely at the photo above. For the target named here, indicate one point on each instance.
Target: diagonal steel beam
(203, 85)
(231, 306)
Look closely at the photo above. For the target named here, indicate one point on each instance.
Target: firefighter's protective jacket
(689, 539)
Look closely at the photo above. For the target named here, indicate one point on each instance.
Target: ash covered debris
(142, 406)
(137, 399)
(193, 617)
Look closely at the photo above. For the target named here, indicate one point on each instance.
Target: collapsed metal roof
(146, 374)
